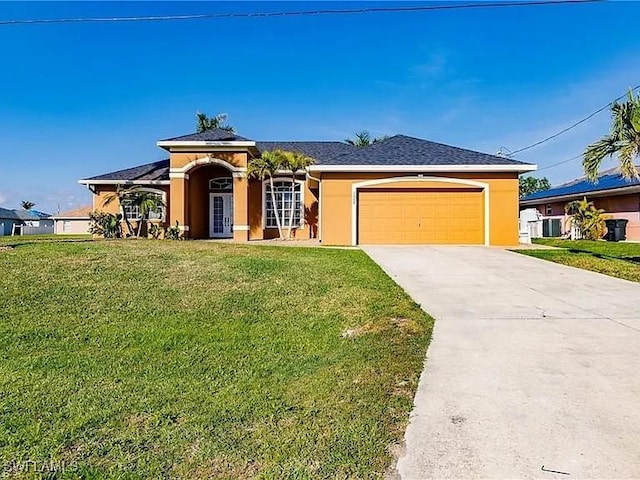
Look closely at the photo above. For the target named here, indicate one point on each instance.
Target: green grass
(158, 359)
(609, 249)
(621, 260)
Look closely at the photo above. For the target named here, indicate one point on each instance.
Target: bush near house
(589, 220)
(157, 359)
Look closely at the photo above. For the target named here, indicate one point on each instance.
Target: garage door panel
(416, 217)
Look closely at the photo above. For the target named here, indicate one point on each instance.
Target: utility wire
(418, 8)
(571, 127)
(575, 157)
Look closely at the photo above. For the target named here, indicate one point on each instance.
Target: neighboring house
(24, 222)
(8, 219)
(401, 190)
(619, 198)
(72, 221)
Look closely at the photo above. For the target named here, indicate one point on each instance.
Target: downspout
(319, 204)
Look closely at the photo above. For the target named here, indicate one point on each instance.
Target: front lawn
(608, 249)
(158, 359)
(616, 259)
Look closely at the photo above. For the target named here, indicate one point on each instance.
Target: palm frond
(623, 140)
(626, 156)
(595, 153)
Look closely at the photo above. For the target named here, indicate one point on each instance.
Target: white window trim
(164, 209)
(416, 178)
(223, 177)
(264, 202)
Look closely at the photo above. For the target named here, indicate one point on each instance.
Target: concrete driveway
(531, 364)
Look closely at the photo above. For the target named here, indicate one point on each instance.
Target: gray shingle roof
(396, 150)
(213, 135)
(322, 152)
(149, 172)
(404, 150)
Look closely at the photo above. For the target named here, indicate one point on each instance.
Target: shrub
(173, 233)
(587, 218)
(106, 225)
(155, 231)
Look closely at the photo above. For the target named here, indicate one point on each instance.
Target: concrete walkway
(531, 364)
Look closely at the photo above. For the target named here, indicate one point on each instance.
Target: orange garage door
(438, 216)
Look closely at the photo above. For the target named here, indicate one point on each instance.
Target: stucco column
(179, 203)
(240, 207)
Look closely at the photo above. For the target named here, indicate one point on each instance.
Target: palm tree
(27, 205)
(623, 140)
(265, 167)
(147, 202)
(204, 123)
(122, 195)
(363, 139)
(295, 162)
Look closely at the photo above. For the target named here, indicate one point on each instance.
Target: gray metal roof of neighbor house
(31, 214)
(399, 150)
(24, 215)
(608, 181)
(6, 214)
(151, 172)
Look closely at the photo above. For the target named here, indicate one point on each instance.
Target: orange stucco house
(401, 190)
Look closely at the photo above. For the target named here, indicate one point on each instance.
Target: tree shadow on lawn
(634, 260)
(23, 243)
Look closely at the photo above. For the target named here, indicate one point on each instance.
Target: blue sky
(78, 100)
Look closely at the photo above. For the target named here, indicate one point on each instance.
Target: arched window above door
(221, 184)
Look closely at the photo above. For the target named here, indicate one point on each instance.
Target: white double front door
(221, 215)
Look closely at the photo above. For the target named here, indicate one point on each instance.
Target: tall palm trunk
(293, 205)
(142, 219)
(126, 220)
(275, 207)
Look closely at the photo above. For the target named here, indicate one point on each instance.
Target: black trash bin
(616, 229)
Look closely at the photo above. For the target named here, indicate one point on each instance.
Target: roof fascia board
(423, 168)
(596, 193)
(208, 149)
(123, 182)
(204, 143)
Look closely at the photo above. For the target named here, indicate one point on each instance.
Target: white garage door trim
(416, 178)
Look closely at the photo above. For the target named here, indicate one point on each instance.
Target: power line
(422, 8)
(571, 127)
(575, 157)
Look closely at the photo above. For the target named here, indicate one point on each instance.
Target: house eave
(424, 168)
(574, 196)
(168, 144)
(123, 182)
